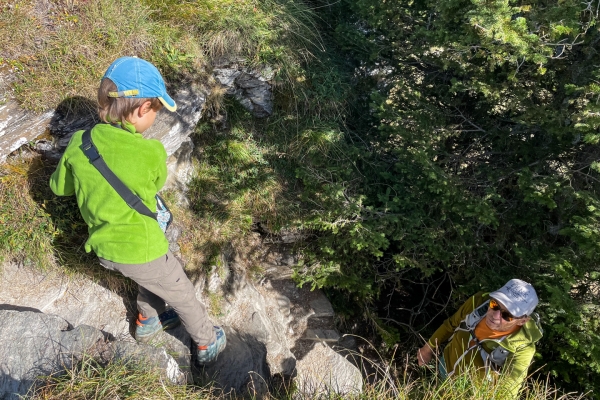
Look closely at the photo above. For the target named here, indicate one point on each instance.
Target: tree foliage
(477, 156)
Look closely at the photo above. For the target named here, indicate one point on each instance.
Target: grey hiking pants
(164, 280)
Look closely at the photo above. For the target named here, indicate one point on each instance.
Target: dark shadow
(240, 370)
(10, 307)
(12, 388)
(71, 115)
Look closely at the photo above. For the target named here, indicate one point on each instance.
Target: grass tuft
(132, 380)
(119, 380)
(43, 230)
(62, 48)
(26, 229)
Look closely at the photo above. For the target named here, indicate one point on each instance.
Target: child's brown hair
(113, 109)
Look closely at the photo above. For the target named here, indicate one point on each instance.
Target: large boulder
(19, 127)
(76, 299)
(264, 318)
(82, 301)
(34, 344)
(268, 325)
(322, 372)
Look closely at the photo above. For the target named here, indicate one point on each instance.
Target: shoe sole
(219, 351)
(146, 338)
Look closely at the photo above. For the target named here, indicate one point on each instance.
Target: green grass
(40, 229)
(59, 50)
(131, 380)
(26, 228)
(119, 380)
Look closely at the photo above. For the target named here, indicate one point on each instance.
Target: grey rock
(278, 272)
(279, 262)
(74, 298)
(216, 279)
(283, 236)
(322, 307)
(264, 318)
(35, 344)
(177, 344)
(172, 234)
(323, 372)
(348, 342)
(19, 127)
(241, 368)
(249, 86)
(145, 355)
(267, 322)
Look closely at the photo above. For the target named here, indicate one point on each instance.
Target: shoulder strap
(97, 161)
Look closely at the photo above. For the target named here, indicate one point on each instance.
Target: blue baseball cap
(137, 78)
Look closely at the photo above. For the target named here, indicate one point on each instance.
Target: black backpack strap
(97, 161)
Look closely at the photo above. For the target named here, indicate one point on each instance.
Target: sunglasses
(505, 314)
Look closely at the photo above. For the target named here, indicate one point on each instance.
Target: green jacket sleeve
(61, 181)
(161, 177)
(514, 372)
(443, 333)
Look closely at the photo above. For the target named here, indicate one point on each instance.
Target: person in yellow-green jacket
(494, 333)
(131, 93)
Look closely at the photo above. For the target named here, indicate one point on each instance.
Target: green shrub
(476, 158)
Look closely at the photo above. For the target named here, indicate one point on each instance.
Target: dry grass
(40, 229)
(120, 380)
(61, 49)
(26, 229)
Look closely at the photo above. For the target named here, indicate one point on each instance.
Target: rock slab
(321, 307)
(264, 319)
(322, 335)
(79, 301)
(34, 344)
(323, 372)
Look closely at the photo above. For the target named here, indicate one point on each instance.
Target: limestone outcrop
(34, 344)
(270, 325)
(276, 332)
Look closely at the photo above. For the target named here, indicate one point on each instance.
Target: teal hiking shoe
(209, 353)
(169, 319)
(148, 327)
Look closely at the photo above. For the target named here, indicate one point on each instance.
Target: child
(131, 92)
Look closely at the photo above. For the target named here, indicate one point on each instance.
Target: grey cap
(517, 296)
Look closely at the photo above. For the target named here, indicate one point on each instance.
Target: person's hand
(424, 355)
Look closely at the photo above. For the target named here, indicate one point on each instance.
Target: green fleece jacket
(116, 232)
(521, 347)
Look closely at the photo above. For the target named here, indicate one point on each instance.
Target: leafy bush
(478, 159)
